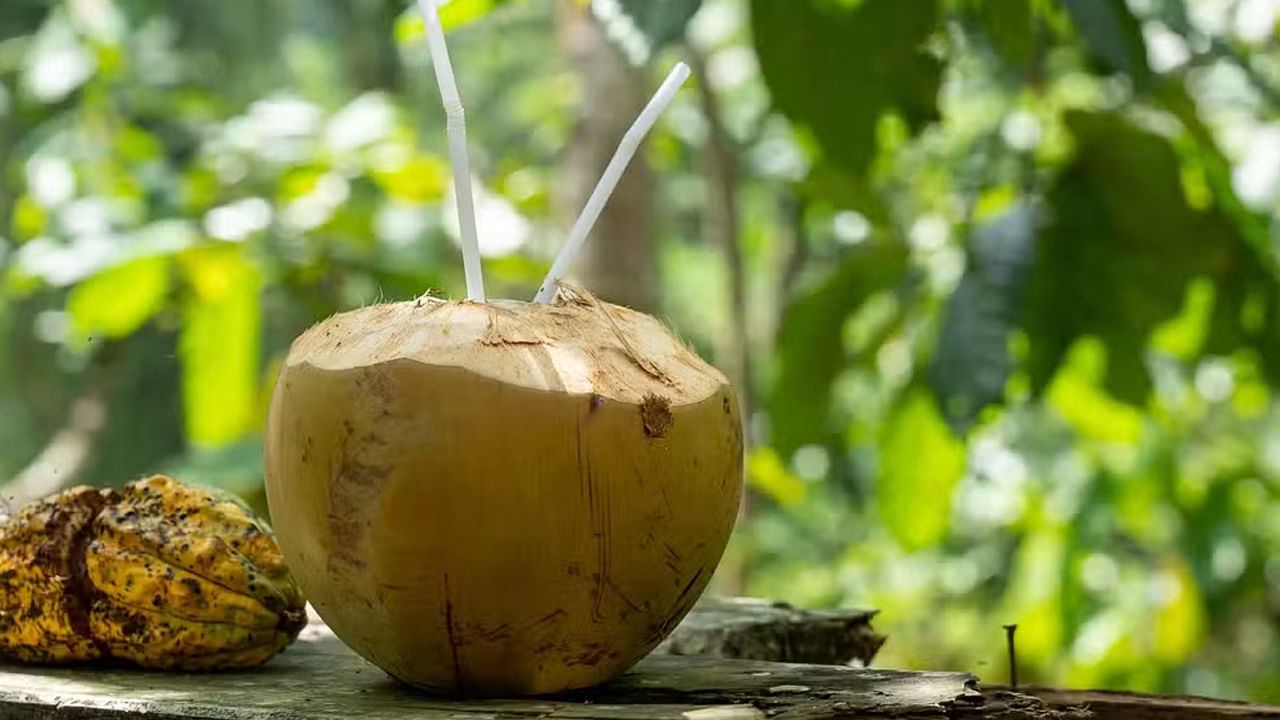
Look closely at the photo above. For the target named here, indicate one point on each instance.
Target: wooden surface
(758, 629)
(319, 678)
(1114, 705)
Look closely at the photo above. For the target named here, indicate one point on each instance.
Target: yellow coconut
(501, 498)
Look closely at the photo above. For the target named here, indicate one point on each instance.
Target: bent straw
(456, 127)
(609, 180)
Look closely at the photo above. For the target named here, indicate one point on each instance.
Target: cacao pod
(161, 574)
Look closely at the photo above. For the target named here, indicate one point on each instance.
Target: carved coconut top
(578, 345)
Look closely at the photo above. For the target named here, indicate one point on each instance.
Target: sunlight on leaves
(1009, 27)
(1179, 621)
(29, 218)
(1034, 595)
(808, 363)
(423, 178)
(1113, 35)
(1076, 394)
(1122, 246)
(767, 473)
(116, 302)
(219, 345)
(920, 464)
(812, 53)
(454, 14)
(639, 27)
(1183, 336)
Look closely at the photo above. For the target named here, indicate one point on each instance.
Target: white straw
(609, 180)
(456, 126)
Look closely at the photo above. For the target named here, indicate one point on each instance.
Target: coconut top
(581, 345)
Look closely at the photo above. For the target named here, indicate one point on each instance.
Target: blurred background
(996, 279)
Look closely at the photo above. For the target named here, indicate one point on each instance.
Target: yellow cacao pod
(161, 574)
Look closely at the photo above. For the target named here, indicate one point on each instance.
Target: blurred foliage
(1014, 298)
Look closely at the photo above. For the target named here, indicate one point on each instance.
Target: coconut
(503, 497)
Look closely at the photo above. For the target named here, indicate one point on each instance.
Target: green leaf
(660, 21)
(1117, 257)
(409, 26)
(810, 353)
(835, 68)
(116, 302)
(460, 12)
(1179, 621)
(1173, 13)
(1201, 148)
(920, 464)
(1253, 280)
(1009, 26)
(971, 362)
(1075, 394)
(767, 473)
(1113, 36)
(219, 346)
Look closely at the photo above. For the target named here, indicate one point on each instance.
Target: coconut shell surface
(501, 498)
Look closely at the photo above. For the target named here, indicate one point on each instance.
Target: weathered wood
(756, 629)
(318, 677)
(1115, 705)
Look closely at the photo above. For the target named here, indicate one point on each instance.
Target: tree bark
(617, 262)
(722, 226)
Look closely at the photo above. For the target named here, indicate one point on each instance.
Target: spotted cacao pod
(160, 574)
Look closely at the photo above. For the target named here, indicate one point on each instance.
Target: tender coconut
(501, 498)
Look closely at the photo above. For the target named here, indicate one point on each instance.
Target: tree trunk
(617, 262)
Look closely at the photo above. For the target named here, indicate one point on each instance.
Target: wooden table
(721, 663)
(318, 677)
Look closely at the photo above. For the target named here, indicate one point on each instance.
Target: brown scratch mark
(736, 465)
(655, 415)
(545, 619)
(591, 655)
(618, 591)
(671, 551)
(688, 588)
(600, 529)
(583, 467)
(678, 610)
(502, 632)
(606, 541)
(671, 557)
(665, 499)
(453, 640)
